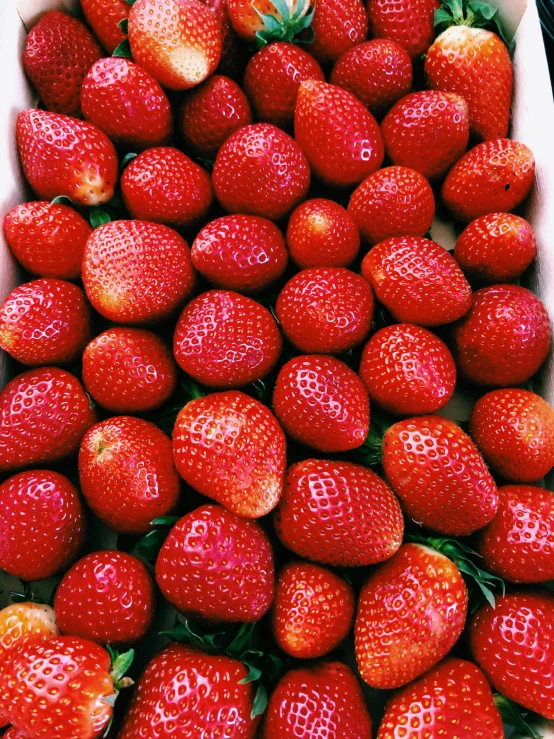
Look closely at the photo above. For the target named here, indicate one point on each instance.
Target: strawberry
(260, 170)
(44, 414)
(232, 59)
(126, 103)
(453, 699)
(322, 403)
(263, 21)
(63, 156)
(395, 201)
(163, 185)
(58, 53)
(230, 448)
(325, 310)
(504, 338)
(313, 610)
(320, 233)
(337, 133)
(427, 131)
(47, 239)
(217, 567)
(337, 26)
(224, 339)
(494, 176)
(44, 510)
(338, 513)
(177, 41)
(242, 253)
(104, 17)
(497, 247)
(411, 612)
(137, 272)
(127, 473)
(417, 281)
(13, 733)
(272, 78)
(106, 597)
(439, 475)
(407, 370)
(408, 22)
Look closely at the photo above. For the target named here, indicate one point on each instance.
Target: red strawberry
(127, 473)
(242, 253)
(313, 610)
(43, 510)
(137, 272)
(494, 176)
(408, 22)
(338, 513)
(44, 414)
(177, 41)
(260, 170)
(164, 186)
(504, 338)
(411, 612)
(104, 16)
(407, 370)
(232, 59)
(417, 281)
(63, 156)
(47, 239)
(395, 201)
(250, 22)
(217, 567)
(439, 475)
(59, 51)
(126, 103)
(322, 403)
(224, 339)
(338, 134)
(337, 25)
(106, 597)
(13, 733)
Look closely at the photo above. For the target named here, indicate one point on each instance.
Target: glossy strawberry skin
(338, 513)
(127, 474)
(439, 475)
(103, 16)
(217, 567)
(411, 612)
(230, 448)
(322, 403)
(409, 23)
(338, 25)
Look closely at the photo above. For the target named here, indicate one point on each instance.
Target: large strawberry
(263, 21)
(337, 26)
(104, 17)
(408, 22)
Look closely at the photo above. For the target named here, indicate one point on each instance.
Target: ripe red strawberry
(439, 475)
(59, 51)
(497, 247)
(137, 272)
(233, 55)
(338, 513)
(47, 239)
(272, 78)
(106, 597)
(504, 338)
(322, 403)
(217, 567)
(417, 281)
(395, 201)
(337, 25)
(494, 176)
(407, 370)
(411, 612)
(242, 253)
(163, 185)
(126, 103)
(452, 699)
(224, 339)
(104, 16)
(337, 133)
(408, 22)
(43, 510)
(260, 170)
(177, 41)
(313, 610)
(63, 156)
(250, 20)
(44, 414)
(230, 448)
(127, 473)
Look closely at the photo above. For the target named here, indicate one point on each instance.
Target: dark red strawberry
(104, 17)
(337, 25)
(408, 22)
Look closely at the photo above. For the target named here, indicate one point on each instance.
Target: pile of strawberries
(210, 404)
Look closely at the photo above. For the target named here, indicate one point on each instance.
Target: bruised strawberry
(104, 17)
(408, 22)
(337, 25)
(263, 20)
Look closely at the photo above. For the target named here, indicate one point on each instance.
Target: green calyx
(515, 716)
(473, 13)
(149, 546)
(287, 27)
(370, 453)
(120, 665)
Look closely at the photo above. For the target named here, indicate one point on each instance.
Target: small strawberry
(127, 474)
(104, 17)
(313, 610)
(439, 475)
(337, 26)
(408, 22)
(263, 21)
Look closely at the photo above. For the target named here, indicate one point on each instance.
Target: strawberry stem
(287, 27)
(120, 665)
(149, 546)
(515, 716)
(473, 13)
